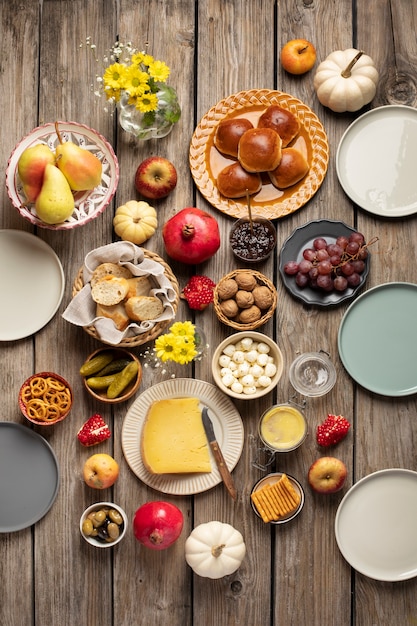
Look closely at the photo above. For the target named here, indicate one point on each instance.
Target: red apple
(327, 475)
(155, 177)
(298, 56)
(100, 471)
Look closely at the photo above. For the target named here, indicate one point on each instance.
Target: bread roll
(228, 133)
(142, 308)
(259, 150)
(234, 182)
(117, 313)
(109, 269)
(285, 123)
(109, 290)
(139, 286)
(292, 168)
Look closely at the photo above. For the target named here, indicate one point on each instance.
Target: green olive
(113, 531)
(87, 527)
(115, 516)
(99, 518)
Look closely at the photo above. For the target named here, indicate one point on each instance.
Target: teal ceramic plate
(377, 339)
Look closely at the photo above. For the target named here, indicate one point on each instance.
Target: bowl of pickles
(111, 375)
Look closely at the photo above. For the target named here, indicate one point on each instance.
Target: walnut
(229, 308)
(246, 281)
(248, 316)
(244, 299)
(262, 297)
(227, 289)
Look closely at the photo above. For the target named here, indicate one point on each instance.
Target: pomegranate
(191, 236)
(157, 525)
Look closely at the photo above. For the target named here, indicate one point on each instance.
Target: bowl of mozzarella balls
(247, 365)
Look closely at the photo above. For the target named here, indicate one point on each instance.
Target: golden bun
(285, 123)
(260, 150)
(292, 168)
(235, 182)
(228, 134)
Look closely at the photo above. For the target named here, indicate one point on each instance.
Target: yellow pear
(55, 203)
(81, 168)
(31, 168)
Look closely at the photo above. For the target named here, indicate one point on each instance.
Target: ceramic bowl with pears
(71, 160)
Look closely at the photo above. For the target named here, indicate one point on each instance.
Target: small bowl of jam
(253, 242)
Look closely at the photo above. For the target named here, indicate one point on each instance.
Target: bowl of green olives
(103, 524)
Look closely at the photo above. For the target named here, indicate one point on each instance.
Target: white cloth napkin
(81, 311)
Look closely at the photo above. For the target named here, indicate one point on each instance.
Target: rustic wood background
(291, 575)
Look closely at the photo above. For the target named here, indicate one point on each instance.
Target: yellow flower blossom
(178, 344)
(159, 71)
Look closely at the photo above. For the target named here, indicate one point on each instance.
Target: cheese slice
(173, 438)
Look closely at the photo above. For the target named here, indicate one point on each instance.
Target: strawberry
(332, 430)
(95, 430)
(198, 292)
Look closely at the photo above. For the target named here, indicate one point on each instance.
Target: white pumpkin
(135, 221)
(346, 80)
(214, 549)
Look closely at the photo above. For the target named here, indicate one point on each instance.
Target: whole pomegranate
(191, 236)
(157, 525)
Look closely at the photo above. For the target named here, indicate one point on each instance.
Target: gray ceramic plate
(292, 250)
(29, 477)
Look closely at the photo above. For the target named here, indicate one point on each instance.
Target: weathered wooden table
(293, 574)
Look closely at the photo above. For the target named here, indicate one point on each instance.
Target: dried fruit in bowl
(94, 431)
(332, 430)
(198, 292)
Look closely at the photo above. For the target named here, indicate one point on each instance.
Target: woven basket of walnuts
(244, 299)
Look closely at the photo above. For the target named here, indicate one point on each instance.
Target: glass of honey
(282, 428)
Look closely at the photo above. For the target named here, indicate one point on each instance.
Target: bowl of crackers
(45, 398)
(277, 498)
(111, 375)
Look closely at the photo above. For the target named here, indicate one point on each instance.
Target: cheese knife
(218, 455)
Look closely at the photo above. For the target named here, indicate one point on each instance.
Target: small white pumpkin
(214, 549)
(135, 221)
(346, 80)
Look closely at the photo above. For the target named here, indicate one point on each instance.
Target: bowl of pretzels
(45, 398)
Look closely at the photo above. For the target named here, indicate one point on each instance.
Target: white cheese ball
(262, 359)
(238, 356)
(263, 348)
(229, 350)
(243, 369)
(264, 381)
(228, 380)
(251, 356)
(248, 391)
(246, 343)
(248, 380)
(226, 371)
(270, 369)
(256, 370)
(237, 387)
(224, 360)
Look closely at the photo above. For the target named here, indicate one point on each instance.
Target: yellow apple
(100, 471)
(298, 56)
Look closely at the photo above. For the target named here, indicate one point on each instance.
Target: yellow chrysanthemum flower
(159, 71)
(148, 102)
(186, 329)
(114, 76)
(178, 344)
(136, 82)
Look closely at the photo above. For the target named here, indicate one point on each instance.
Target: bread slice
(116, 312)
(109, 269)
(139, 286)
(109, 290)
(143, 308)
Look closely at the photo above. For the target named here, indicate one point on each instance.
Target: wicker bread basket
(266, 314)
(157, 329)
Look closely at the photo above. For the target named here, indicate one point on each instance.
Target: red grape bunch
(331, 266)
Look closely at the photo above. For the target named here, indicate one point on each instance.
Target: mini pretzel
(46, 399)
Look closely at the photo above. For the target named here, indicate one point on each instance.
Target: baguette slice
(109, 290)
(139, 286)
(109, 269)
(142, 308)
(116, 312)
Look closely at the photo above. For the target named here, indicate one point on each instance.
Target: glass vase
(153, 124)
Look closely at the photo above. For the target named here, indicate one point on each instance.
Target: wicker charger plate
(266, 315)
(252, 104)
(158, 328)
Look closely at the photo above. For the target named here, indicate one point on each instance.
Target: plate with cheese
(163, 438)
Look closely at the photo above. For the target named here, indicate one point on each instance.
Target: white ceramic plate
(29, 477)
(88, 204)
(227, 424)
(377, 339)
(376, 525)
(31, 283)
(375, 161)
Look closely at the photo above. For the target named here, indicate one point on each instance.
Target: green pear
(81, 168)
(31, 168)
(55, 203)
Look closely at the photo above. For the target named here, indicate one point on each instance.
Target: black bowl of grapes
(325, 262)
